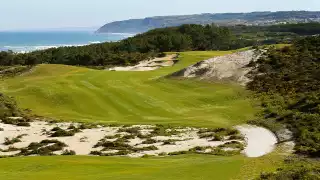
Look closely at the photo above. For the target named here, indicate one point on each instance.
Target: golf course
(78, 94)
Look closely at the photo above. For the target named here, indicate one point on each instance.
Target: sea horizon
(27, 41)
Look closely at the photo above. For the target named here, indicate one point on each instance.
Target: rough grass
(81, 94)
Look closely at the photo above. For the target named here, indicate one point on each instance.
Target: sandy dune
(149, 65)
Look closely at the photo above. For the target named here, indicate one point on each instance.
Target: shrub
(68, 153)
(178, 153)
(236, 137)
(62, 133)
(217, 138)
(113, 136)
(169, 142)
(8, 108)
(148, 148)
(25, 124)
(1, 129)
(122, 153)
(96, 153)
(10, 149)
(132, 130)
(84, 139)
(144, 136)
(198, 149)
(296, 169)
(206, 135)
(56, 129)
(116, 145)
(220, 152)
(128, 137)
(163, 154)
(88, 126)
(8, 141)
(43, 148)
(233, 144)
(161, 130)
(161, 54)
(16, 121)
(149, 141)
(72, 127)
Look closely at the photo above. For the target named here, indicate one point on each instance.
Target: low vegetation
(295, 168)
(44, 148)
(68, 153)
(11, 71)
(287, 82)
(8, 141)
(58, 132)
(8, 107)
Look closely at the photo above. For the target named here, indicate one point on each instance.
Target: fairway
(79, 94)
(193, 167)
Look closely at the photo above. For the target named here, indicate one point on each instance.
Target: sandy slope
(231, 67)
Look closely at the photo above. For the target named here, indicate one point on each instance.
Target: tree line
(142, 46)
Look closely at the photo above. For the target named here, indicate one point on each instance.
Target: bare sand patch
(149, 65)
(260, 141)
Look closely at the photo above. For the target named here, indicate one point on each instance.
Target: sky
(46, 14)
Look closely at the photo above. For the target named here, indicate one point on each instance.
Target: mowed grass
(195, 167)
(80, 94)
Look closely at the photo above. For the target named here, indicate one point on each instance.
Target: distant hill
(226, 19)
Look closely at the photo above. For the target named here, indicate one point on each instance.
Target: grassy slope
(81, 94)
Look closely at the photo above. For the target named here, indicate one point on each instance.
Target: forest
(143, 46)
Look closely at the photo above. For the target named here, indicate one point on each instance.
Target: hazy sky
(41, 14)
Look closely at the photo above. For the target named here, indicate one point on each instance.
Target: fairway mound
(43, 138)
(260, 141)
(232, 67)
(149, 65)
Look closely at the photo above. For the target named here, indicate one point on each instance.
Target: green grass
(194, 167)
(81, 94)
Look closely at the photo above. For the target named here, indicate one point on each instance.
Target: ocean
(30, 41)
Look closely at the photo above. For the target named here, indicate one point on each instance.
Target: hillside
(253, 18)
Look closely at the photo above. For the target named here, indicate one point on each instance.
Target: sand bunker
(231, 67)
(149, 65)
(133, 141)
(260, 141)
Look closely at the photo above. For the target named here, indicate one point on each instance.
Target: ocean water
(30, 41)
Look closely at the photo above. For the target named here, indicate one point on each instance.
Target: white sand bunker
(149, 65)
(43, 138)
(260, 141)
